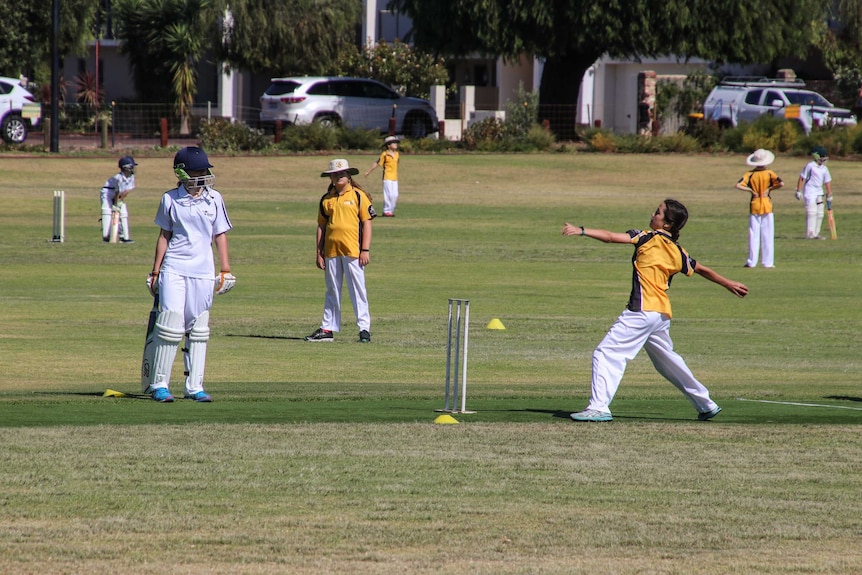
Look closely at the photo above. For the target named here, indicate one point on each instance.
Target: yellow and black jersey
(389, 161)
(341, 216)
(761, 182)
(656, 260)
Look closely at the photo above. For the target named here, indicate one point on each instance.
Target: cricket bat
(149, 347)
(115, 224)
(831, 219)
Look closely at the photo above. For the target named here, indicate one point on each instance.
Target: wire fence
(126, 124)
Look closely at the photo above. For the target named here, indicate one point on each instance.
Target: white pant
(390, 196)
(761, 238)
(632, 331)
(338, 269)
(813, 216)
(106, 219)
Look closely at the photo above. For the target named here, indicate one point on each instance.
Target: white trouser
(338, 269)
(813, 216)
(106, 219)
(190, 298)
(390, 196)
(632, 331)
(761, 237)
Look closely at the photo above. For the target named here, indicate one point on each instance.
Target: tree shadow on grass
(843, 397)
(257, 336)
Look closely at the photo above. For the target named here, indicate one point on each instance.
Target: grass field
(325, 459)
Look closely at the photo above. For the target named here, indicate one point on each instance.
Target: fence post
(441, 129)
(392, 121)
(278, 128)
(163, 124)
(113, 124)
(104, 122)
(46, 131)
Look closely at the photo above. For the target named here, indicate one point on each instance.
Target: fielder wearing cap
(814, 180)
(113, 195)
(759, 182)
(389, 159)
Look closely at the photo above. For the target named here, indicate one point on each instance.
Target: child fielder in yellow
(343, 249)
(759, 182)
(389, 160)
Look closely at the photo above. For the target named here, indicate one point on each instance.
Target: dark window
(753, 97)
(320, 89)
(5, 88)
(279, 88)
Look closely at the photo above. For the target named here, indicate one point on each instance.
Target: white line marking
(801, 404)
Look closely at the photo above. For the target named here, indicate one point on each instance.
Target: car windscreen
(807, 99)
(280, 88)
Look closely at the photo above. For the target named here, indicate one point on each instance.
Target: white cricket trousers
(390, 196)
(632, 331)
(813, 216)
(761, 238)
(337, 270)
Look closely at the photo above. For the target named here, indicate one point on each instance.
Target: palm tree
(164, 40)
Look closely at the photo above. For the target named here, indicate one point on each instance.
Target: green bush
(222, 134)
(308, 137)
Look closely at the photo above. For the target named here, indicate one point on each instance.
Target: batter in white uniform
(113, 196)
(814, 179)
(192, 217)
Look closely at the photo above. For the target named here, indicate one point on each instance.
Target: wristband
(583, 231)
(364, 250)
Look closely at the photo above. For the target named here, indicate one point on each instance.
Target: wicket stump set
(458, 359)
(59, 216)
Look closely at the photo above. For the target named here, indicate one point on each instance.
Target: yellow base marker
(495, 324)
(446, 419)
(113, 393)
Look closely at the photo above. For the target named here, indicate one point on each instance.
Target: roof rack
(762, 81)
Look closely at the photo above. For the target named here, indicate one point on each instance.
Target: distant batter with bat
(115, 215)
(813, 181)
(192, 218)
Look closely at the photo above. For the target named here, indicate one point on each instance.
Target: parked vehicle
(348, 102)
(18, 110)
(743, 99)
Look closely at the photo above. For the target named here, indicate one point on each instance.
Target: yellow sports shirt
(340, 216)
(389, 161)
(656, 260)
(761, 183)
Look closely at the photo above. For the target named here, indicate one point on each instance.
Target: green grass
(324, 458)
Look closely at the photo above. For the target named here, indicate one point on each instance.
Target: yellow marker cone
(495, 324)
(446, 419)
(113, 393)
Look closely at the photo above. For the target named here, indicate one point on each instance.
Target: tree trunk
(558, 94)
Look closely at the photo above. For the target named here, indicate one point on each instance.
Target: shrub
(308, 137)
(222, 134)
(486, 135)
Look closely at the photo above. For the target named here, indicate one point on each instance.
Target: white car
(744, 99)
(349, 102)
(18, 110)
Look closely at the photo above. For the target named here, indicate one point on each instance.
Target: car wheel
(328, 120)
(417, 126)
(13, 129)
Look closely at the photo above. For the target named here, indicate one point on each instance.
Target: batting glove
(153, 283)
(798, 195)
(224, 282)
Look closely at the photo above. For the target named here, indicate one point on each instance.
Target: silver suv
(743, 99)
(348, 102)
(18, 110)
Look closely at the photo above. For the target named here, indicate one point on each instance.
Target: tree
(286, 37)
(570, 35)
(27, 31)
(398, 64)
(842, 47)
(164, 40)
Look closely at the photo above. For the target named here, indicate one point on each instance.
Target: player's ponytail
(675, 216)
(361, 189)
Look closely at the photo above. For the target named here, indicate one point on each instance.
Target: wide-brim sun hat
(391, 140)
(760, 158)
(339, 165)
